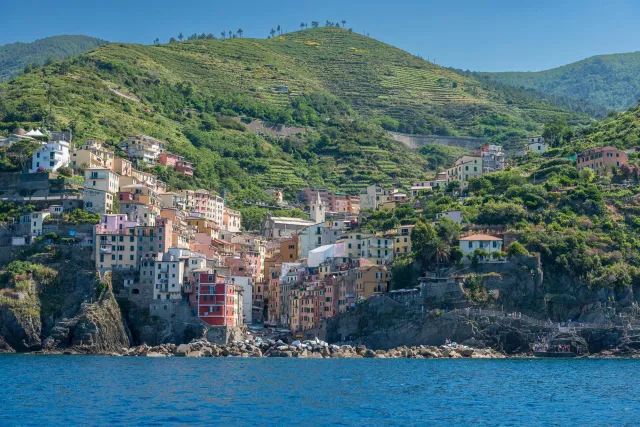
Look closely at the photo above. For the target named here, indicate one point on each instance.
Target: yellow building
(372, 280)
(116, 251)
(139, 193)
(402, 240)
(465, 168)
(204, 226)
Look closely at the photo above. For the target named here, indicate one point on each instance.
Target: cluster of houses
(169, 249)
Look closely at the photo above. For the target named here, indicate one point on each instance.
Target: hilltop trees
(223, 34)
(279, 30)
(315, 24)
(343, 22)
(180, 37)
(240, 32)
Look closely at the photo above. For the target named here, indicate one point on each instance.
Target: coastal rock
(183, 349)
(4, 347)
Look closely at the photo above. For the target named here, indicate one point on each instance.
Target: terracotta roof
(480, 237)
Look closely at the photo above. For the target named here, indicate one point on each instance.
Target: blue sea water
(95, 390)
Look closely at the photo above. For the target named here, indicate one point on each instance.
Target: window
(470, 245)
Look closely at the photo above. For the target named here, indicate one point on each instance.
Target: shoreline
(312, 349)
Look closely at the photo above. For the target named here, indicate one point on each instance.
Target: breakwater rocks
(306, 349)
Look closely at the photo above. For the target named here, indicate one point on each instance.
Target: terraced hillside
(337, 85)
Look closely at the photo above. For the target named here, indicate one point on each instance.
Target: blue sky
(497, 35)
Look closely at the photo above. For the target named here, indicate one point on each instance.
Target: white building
(31, 223)
(50, 156)
(144, 147)
(314, 236)
(455, 216)
(168, 278)
(469, 244)
(101, 186)
(274, 227)
(378, 250)
(372, 196)
(101, 179)
(536, 148)
(246, 283)
(492, 158)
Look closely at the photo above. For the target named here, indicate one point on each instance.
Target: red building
(176, 162)
(168, 159)
(219, 303)
(184, 167)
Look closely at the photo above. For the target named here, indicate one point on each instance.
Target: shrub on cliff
(516, 249)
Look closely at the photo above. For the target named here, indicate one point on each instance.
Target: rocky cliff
(383, 323)
(49, 298)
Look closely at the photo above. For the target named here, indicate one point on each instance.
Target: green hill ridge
(15, 56)
(610, 81)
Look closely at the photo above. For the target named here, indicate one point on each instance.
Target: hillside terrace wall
(416, 141)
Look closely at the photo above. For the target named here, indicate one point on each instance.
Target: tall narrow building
(317, 210)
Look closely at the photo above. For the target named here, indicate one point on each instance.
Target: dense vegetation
(15, 57)
(611, 82)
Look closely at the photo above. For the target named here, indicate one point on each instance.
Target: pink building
(114, 224)
(597, 158)
(168, 159)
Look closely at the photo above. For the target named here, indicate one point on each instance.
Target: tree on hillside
(203, 36)
(156, 41)
(223, 34)
(272, 32)
(172, 40)
(315, 24)
(23, 151)
(279, 30)
(211, 37)
(557, 131)
(240, 32)
(180, 37)
(343, 22)
(302, 25)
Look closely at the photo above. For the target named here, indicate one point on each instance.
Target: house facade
(50, 156)
(598, 158)
(469, 244)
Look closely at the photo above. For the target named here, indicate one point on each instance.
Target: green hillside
(337, 85)
(610, 81)
(15, 56)
(621, 130)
